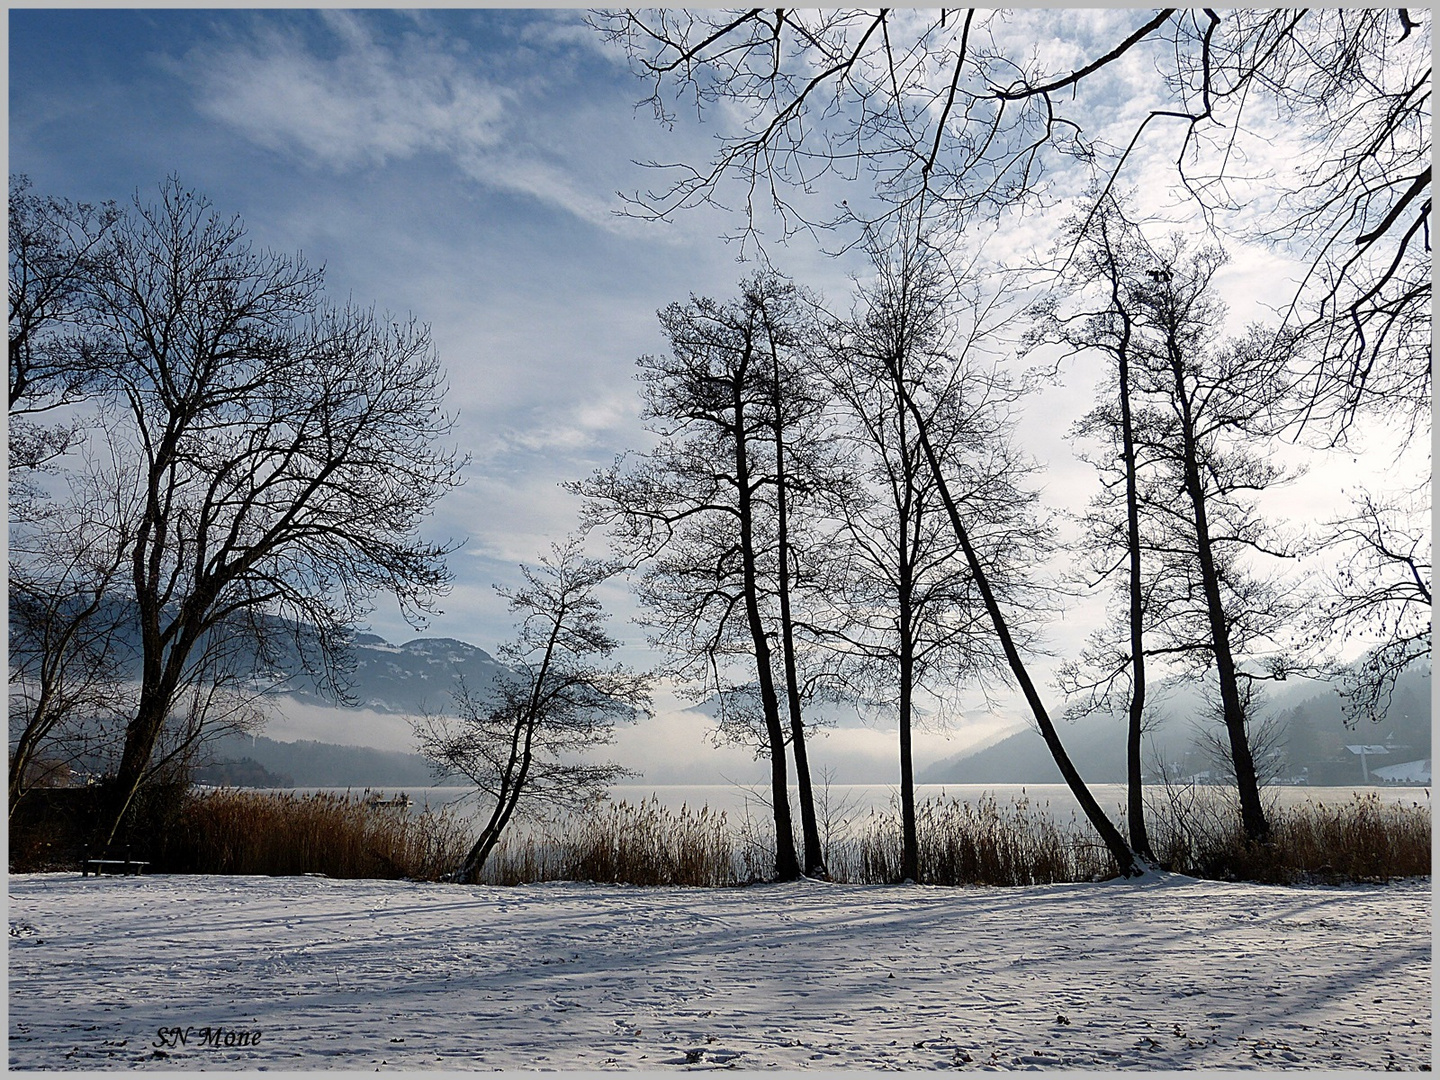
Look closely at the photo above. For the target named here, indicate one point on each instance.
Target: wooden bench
(113, 866)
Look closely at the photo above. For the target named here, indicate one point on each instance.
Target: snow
(1167, 972)
(1409, 772)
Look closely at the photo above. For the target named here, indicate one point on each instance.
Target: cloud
(364, 105)
(351, 98)
(574, 425)
(290, 720)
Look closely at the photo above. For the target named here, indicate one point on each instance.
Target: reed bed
(980, 843)
(1194, 830)
(231, 831)
(641, 844)
(1197, 831)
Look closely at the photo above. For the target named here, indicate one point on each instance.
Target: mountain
(387, 684)
(1304, 737)
(258, 761)
(412, 678)
(395, 681)
(416, 677)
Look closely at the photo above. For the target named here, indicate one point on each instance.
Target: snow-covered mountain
(315, 740)
(416, 677)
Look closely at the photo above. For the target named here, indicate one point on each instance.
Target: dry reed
(979, 843)
(643, 844)
(1193, 830)
(1197, 831)
(230, 831)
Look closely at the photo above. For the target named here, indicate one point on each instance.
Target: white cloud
(358, 101)
(365, 105)
(291, 720)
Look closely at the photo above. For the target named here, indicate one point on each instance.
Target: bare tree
(1379, 592)
(960, 113)
(988, 568)
(66, 553)
(1125, 857)
(1216, 401)
(1352, 87)
(907, 612)
(1110, 259)
(956, 115)
(799, 441)
(69, 653)
(518, 743)
(698, 512)
(287, 451)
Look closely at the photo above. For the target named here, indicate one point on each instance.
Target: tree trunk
(787, 864)
(506, 796)
(474, 862)
(909, 838)
(1252, 811)
(908, 531)
(1124, 856)
(809, 826)
(1135, 798)
(161, 673)
(141, 735)
(26, 746)
(517, 768)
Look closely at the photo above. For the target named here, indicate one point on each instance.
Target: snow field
(1165, 972)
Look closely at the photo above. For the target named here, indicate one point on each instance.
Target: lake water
(843, 803)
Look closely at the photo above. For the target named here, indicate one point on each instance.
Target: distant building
(1364, 753)
(44, 773)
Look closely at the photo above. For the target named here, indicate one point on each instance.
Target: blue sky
(458, 165)
(462, 166)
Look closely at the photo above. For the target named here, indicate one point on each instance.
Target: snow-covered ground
(1167, 972)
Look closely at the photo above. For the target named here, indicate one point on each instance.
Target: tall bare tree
(1125, 857)
(1217, 400)
(702, 513)
(906, 605)
(287, 451)
(798, 441)
(1110, 260)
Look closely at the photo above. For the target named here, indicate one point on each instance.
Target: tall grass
(644, 844)
(980, 843)
(1197, 831)
(1193, 830)
(231, 831)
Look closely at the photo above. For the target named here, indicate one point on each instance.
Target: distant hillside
(417, 677)
(262, 762)
(1309, 740)
(1096, 745)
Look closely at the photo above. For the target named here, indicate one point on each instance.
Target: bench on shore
(126, 865)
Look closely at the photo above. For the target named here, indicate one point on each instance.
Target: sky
(463, 167)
